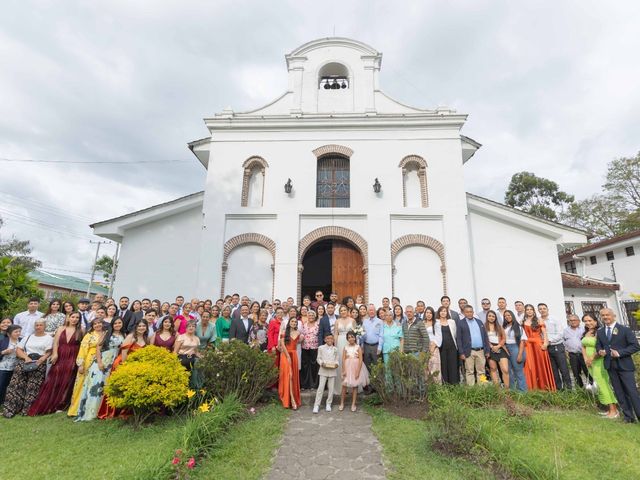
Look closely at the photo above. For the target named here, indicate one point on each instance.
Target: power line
(42, 226)
(48, 211)
(49, 267)
(91, 162)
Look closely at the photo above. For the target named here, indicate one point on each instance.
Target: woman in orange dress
(289, 382)
(135, 341)
(537, 367)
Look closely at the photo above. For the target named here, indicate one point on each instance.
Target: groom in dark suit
(240, 327)
(616, 343)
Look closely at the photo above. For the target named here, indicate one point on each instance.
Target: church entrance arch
(332, 259)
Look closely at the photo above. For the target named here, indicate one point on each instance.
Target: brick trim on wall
(247, 166)
(422, 176)
(341, 149)
(328, 232)
(426, 241)
(247, 239)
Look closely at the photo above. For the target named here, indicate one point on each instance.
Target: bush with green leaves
(234, 368)
(16, 287)
(150, 379)
(402, 380)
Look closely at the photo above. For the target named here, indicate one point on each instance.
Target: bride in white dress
(343, 325)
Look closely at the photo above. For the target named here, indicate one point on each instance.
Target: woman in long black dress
(445, 338)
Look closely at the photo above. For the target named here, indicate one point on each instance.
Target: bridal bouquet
(358, 330)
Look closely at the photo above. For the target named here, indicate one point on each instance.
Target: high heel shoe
(341, 407)
(611, 417)
(353, 408)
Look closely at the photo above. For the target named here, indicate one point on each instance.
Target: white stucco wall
(514, 263)
(249, 272)
(417, 276)
(160, 259)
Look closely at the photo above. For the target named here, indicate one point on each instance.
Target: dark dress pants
(309, 369)
(624, 386)
(578, 367)
(559, 366)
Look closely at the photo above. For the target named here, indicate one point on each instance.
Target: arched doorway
(333, 265)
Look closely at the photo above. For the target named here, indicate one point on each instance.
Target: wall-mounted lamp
(288, 186)
(377, 186)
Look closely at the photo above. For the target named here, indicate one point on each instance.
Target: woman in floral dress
(93, 388)
(85, 358)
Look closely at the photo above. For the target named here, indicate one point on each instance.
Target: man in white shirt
(555, 334)
(519, 311)
(502, 307)
(27, 319)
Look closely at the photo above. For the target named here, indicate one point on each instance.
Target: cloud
(551, 87)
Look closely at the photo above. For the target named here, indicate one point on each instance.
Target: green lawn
(247, 450)
(54, 447)
(549, 445)
(407, 453)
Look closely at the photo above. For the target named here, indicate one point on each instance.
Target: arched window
(253, 182)
(414, 181)
(333, 189)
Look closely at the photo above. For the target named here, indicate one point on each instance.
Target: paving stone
(328, 445)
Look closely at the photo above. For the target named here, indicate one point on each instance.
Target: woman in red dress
(537, 366)
(289, 381)
(55, 393)
(273, 333)
(135, 341)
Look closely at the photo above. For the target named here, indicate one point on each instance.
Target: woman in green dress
(206, 329)
(223, 324)
(595, 364)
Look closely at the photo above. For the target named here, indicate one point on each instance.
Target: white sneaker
(316, 409)
(328, 408)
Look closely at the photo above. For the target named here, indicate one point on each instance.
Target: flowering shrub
(237, 369)
(150, 379)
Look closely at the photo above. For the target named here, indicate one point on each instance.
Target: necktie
(609, 333)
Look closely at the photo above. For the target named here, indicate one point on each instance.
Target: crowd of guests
(61, 359)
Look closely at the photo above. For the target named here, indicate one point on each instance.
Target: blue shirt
(391, 335)
(373, 331)
(476, 335)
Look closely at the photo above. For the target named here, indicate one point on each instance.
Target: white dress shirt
(27, 320)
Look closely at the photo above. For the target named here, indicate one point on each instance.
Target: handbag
(593, 388)
(30, 366)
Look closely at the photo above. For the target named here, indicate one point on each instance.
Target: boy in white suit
(328, 361)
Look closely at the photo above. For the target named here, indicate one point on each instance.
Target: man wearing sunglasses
(319, 300)
(486, 306)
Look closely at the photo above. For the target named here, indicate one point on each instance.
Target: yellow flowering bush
(151, 378)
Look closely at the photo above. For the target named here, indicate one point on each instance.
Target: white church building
(336, 186)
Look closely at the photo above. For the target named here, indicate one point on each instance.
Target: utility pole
(93, 270)
(114, 267)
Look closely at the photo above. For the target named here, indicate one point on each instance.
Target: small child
(328, 361)
(354, 372)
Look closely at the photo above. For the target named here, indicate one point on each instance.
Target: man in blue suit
(473, 345)
(617, 343)
(327, 322)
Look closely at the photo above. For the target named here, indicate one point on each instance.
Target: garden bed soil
(412, 411)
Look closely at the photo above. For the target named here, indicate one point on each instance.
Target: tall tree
(623, 181)
(617, 209)
(16, 287)
(19, 251)
(105, 265)
(536, 195)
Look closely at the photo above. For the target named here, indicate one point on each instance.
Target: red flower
(191, 463)
(175, 461)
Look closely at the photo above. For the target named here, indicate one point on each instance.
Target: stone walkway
(328, 445)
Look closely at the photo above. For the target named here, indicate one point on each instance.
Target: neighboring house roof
(571, 280)
(66, 282)
(601, 244)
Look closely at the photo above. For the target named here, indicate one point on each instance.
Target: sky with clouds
(550, 87)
